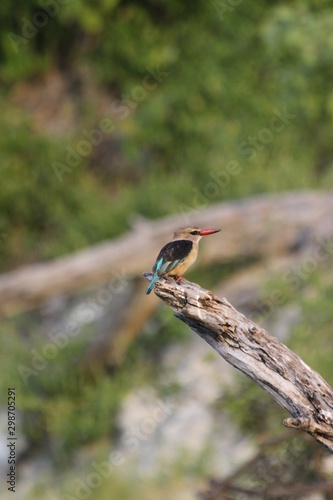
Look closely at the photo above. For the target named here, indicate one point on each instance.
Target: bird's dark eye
(195, 232)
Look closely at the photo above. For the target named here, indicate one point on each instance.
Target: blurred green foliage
(228, 75)
(39, 218)
(59, 401)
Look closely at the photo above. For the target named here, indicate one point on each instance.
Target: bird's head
(193, 233)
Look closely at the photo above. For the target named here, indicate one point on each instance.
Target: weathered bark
(280, 372)
(255, 227)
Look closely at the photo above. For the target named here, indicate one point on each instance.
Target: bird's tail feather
(151, 284)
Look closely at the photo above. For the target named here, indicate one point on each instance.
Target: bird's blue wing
(161, 266)
(171, 254)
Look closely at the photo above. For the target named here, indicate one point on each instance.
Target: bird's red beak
(206, 232)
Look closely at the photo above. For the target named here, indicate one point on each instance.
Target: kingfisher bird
(179, 254)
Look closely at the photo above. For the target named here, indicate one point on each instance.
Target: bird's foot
(179, 278)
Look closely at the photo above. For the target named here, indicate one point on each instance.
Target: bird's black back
(173, 252)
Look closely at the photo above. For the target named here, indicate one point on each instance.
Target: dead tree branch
(280, 372)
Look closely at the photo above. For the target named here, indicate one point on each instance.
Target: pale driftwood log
(255, 227)
(280, 372)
